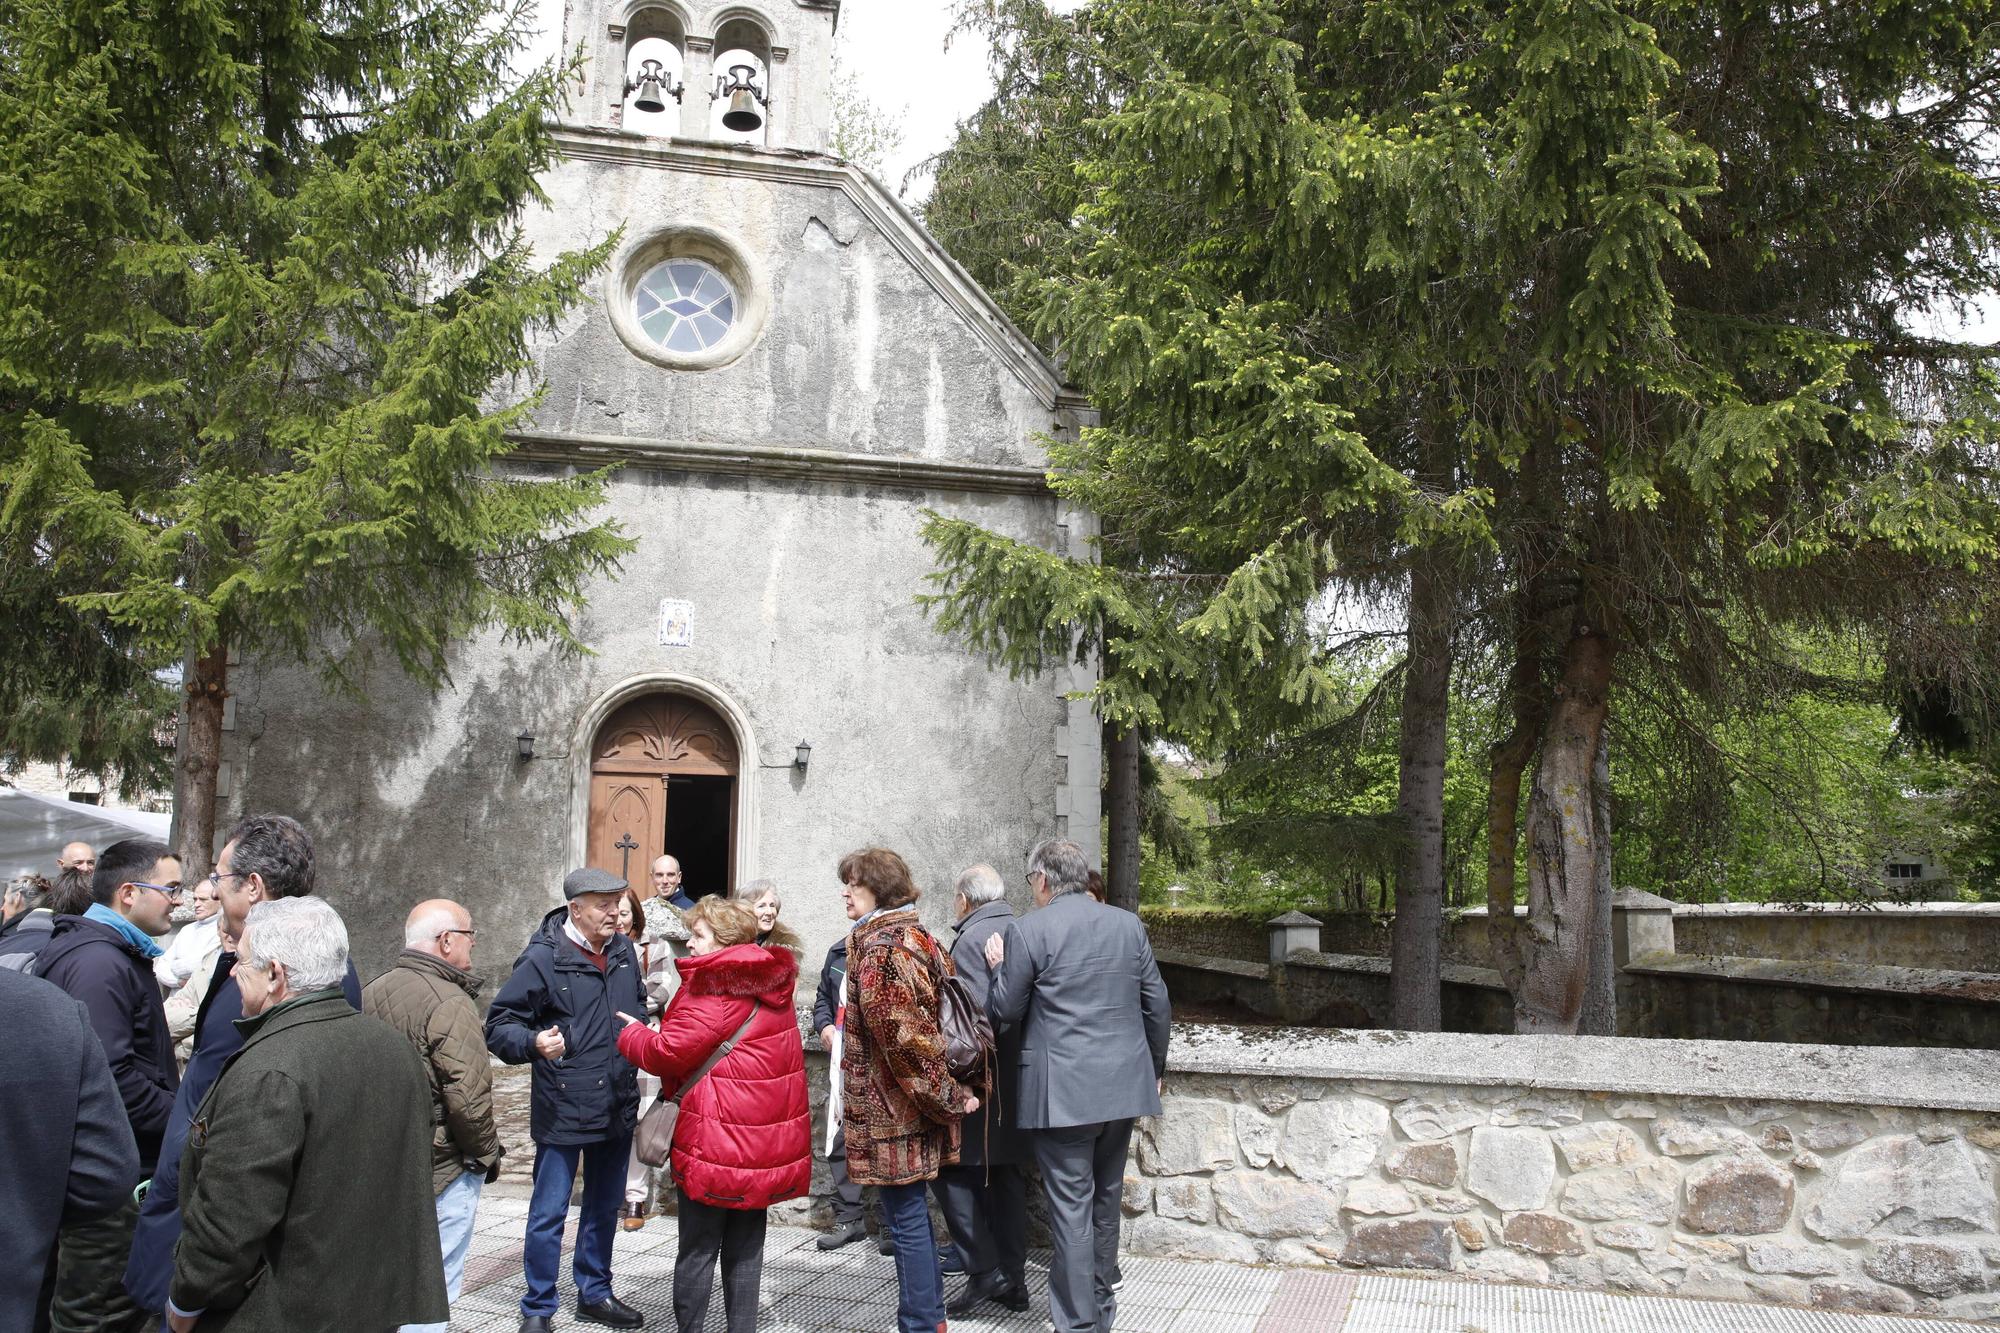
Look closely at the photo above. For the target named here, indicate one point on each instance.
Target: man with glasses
(428, 996)
(263, 858)
(104, 959)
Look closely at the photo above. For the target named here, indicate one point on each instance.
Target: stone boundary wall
(1952, 936)
(1836, 1177)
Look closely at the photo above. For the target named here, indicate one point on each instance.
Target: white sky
(896, 49)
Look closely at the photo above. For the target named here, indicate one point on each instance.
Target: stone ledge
(1850, 978)
(1831, 1075)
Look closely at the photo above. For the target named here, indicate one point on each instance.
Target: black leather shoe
(1013, 1297)
(883, 1243)
(976, 1289)
(536, 1323)
(613, 1313)
(846, 1233)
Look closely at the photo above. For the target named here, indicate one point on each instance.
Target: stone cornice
(895, 222)
(767, 460)
(1732, 1070)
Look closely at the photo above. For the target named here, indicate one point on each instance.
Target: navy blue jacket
(108, 975)
(66, 1154)
(832, 986)
(591, 1093)
(216, 1037)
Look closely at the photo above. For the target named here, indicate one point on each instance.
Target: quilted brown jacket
(432, 1004)
(902, 1106)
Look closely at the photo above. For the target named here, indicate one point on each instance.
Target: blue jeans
(456, 1209)
(548, 1208)
(906, 1216)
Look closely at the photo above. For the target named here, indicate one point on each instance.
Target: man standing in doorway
(428, 997)
(104, 959)
(1080, 980)
(667, 884)
(560, 1010)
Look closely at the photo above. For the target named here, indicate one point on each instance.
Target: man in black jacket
(104, 959)
(560, 1010)
(67, 1156)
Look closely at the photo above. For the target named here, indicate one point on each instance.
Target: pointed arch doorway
(663, 775)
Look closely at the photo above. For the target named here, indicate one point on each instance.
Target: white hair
(981, 884)
(304, 934)
(423, 929)
(758, 888)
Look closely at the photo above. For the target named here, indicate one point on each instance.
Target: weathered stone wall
(1659, 995)
(1833, 1177)
(1955, 936)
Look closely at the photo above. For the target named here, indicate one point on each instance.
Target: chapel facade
(787, 373)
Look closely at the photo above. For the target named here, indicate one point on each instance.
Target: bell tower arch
(757, 75)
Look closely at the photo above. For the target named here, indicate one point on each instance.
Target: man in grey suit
(1080, 979)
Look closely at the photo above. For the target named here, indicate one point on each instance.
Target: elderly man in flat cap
(560, 1010)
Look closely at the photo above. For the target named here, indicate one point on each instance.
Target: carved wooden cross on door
(626, 846)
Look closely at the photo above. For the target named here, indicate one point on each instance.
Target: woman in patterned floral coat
(902, 1106)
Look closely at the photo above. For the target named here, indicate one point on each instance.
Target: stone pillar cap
(1293, 919)
(1638, 900)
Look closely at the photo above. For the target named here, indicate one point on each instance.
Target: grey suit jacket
(1080, 979)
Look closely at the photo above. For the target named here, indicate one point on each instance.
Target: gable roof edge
(959, 290)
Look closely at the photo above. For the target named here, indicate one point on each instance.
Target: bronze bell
(743, 115)
(652, 96)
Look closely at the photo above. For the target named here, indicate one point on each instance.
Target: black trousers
(847, 1205)
(90, 1276)
(737, 1236)
(986, 1211)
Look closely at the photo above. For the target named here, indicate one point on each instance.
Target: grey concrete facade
(777, 484)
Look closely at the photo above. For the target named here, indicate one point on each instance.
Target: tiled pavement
(854, 1291)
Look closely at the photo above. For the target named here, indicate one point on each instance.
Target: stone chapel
(787, 372)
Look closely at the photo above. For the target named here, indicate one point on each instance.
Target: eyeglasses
(215, 877)
(468, 933)
(172, 892)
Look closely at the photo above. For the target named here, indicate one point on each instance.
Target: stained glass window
(685, 305)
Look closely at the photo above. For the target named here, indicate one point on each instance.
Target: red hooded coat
(742, 1140)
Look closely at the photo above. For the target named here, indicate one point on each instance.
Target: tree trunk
(201, 761)
(1415, 998)
(1600, 997)
(1121, 866)
(1562, 844)
(1509, 758)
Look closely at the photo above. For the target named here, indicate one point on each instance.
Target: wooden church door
(639, 755)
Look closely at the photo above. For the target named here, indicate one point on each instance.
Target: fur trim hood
(747, 970)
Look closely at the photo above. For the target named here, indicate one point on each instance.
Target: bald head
(441, 928)
(78, 856)
(666, 877)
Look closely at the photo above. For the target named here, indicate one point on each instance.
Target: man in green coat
(309, 1232)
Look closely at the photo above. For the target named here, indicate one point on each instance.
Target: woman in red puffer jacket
(742, 1142)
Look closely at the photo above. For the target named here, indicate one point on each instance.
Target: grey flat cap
(589, 880)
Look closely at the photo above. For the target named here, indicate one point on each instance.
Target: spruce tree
(267, 318)
(1607, 310)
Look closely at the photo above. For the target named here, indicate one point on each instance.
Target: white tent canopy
(34, 828)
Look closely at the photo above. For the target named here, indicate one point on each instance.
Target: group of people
(315, 1157)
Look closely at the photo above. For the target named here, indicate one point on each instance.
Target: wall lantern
(653, 87)
(525, 745)
(740, 87)
(802, 756)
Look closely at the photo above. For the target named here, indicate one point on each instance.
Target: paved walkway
(853, 1290)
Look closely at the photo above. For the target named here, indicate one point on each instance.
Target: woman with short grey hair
(761, 897)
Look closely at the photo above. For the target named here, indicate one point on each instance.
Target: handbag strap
(715, 1056)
